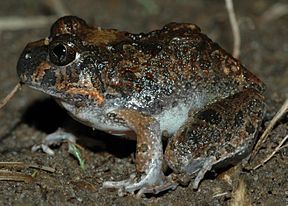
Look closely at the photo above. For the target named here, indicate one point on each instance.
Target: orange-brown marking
(103, 37)
(89, 92)
(38, 43)
(40, 71)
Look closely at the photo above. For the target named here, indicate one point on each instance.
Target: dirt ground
(30, 116)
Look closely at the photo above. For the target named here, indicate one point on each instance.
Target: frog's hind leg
(54, 138)
(219, 135)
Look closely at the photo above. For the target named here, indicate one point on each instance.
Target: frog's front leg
(149, 155)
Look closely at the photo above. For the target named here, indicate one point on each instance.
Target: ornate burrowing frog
(174, 81)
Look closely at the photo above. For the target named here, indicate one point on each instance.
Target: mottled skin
(174, 80)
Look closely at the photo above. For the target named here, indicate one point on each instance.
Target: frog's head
(69, 63)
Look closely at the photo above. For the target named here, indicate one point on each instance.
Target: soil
(30, 115)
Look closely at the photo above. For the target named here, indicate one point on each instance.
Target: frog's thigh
(222, 133)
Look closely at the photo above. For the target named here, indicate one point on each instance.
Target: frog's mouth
(89, 94)
(73, 95)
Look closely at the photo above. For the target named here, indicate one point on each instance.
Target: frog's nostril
(28, 55)
(24, 66)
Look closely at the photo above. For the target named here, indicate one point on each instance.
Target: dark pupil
(61, 54)
(60, 51)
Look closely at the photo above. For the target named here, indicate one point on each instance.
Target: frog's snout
(34, 55)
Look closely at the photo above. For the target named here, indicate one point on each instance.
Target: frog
(173, 82)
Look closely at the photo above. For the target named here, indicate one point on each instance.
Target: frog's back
(177, 64)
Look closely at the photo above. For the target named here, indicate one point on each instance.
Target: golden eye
(61, 54)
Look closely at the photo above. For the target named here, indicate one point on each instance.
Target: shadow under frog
(46, 115)
(174, 81)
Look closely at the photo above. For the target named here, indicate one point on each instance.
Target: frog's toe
(156, 189)
(118, 184)
(135, 183)
(144, 185)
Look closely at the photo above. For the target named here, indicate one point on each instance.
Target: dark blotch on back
(239, 119)
(210, 115)
(250, 128)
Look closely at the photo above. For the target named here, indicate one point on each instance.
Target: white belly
(170, 120)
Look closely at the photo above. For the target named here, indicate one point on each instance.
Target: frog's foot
(207, 166)
(149, 153)
(146, 185)
(55, 138)
(167, 184)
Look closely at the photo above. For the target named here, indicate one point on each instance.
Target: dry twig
(6, 175)
(14, 176)
(264, 136)
(240, 196)
(18, 23)
(235, 28)
(275, 12)
(25, 165)
(10, 95)
(58, 7)
(279, 147)
(220, 194)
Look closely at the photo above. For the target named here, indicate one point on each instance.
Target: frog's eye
(61, 54)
